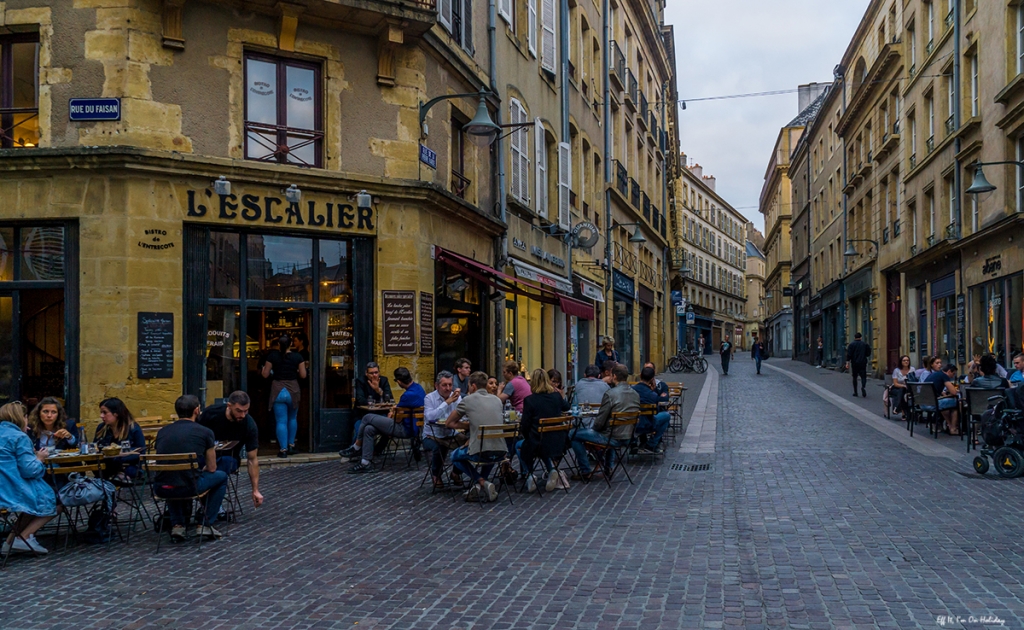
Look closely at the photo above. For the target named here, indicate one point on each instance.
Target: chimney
(697, 170)
(709, 180)
(806, 94)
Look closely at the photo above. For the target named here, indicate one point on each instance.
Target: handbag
(81, 490)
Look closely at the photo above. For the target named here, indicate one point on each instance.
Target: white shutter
(548, 48)
(541, 160)
(524, 159)
(531, 26)
(505, 10)
(516, 149)
(444, 13)
(564, 179)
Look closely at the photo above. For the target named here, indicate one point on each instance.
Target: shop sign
(426, 323)
(94, 109)
(992, 265)
(251, 209)
(519, 244)
(154, 240)
(547, 257)
(787, 292)
(623, 284)
(428, 157)
(530, 272)
(961, 327)
(155, 345)
(677, 298)
(739, 330)
(680, 310)
(399, 324)
(691, 318)
(858, 283)
(816, 312)
(830, 299)
(591, 291)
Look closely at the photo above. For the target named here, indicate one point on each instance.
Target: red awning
(495, 278)
(576, 308)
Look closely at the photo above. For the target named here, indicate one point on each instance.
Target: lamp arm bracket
(425, 107)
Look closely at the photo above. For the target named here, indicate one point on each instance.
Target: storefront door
(264, 326)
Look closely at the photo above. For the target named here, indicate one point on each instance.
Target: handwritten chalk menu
(156, 345)
(399, 322)
(426, 323)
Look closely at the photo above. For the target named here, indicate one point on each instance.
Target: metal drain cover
(691, 467)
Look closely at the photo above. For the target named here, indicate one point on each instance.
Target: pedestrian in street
(725, 351)
(285, 367)
(819, 357)
(757, 353)
(700, 346)
(607, 354)
(857, 355)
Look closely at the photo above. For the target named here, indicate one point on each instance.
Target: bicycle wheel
(675, 365)
(701, 365)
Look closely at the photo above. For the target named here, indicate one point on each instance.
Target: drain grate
(691, 467)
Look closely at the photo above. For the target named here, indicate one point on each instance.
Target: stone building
(184, 182)
(754, 274)
(712, 237)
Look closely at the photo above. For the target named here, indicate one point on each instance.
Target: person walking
(757, 353)
(700, 346)
(819, 358)
(285, 367)
(725, 351)
(857, 355)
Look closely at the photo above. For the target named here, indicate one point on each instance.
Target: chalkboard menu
(156, 345)
(426, 323)
(399, 322)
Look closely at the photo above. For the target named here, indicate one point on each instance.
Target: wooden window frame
(281, 130)
(7, 109)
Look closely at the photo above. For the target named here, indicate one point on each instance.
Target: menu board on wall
(155, 356)
(399, 328)
(426, 323)
(961, 327)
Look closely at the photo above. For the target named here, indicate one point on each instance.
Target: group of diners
(983, 371)
(29, 473)
(464, 400)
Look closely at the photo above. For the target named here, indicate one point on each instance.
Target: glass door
(335, 337)
(264, 326)
(8, 368)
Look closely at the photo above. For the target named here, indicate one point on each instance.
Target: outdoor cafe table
(380, 408)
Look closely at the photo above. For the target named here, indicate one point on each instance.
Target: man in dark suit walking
(857, 355)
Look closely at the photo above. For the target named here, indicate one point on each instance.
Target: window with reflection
(283, 120)
(223, 352)
(280, 268)
(225, 265)
(335, 278)
(19, 90)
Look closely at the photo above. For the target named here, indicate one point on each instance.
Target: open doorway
(264, 326)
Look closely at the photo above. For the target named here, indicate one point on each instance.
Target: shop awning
(493, 277)
(540, 276)
(576, 308)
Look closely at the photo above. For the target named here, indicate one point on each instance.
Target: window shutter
(444, 13)
(505, 10)
(531, 26)
(548, 52)
(564, 178)
(524, 158)
(515, 150)
(467, 26)
(541, 161)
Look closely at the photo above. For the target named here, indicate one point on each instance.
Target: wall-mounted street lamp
(636, 236)
(481, 126)
(222, 186)
(980, 184)
(292, 194)
(851, 251)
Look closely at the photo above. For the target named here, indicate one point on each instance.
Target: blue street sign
(690, 318)
(428, 157)
(92, 109)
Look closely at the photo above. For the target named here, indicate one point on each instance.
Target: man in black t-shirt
(231, 422)
(184, 436)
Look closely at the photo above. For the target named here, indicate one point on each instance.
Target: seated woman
(49, 426)
(117, 425)
(899, 383)
(22, 488)
(544, 402)
(556, 381)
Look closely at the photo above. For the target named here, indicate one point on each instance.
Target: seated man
(607, 375)
(371, 389)
(944, 382)
(660, 386)
(989, 378)
(1017, 376)
(474, 411)
(374, 424)
(186, 436)
(438, 439)
(231, 422)
(618, 399)
(651, 427)
(590, 389)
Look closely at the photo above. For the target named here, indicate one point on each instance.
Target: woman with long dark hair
(49, 426)
(117, 425)
(286, 367)
(898, 393)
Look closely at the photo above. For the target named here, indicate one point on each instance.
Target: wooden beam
(288, 24)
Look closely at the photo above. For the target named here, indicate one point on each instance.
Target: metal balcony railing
(913, 160)
(631, 88)
(621, 179)
(950, 231)
(643, 107)
(895, 228)
(930, 240)
(913, 250)
(618, 64)
(460, 184)
(646, 205)
(930, 143)
(885, 235)
(949, 126)
(634, 193)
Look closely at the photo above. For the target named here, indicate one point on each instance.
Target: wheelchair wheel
(981, 465)
(1008, 462)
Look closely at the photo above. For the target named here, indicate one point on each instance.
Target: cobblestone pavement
(806, 518)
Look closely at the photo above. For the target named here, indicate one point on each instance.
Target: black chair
(81, 465)
(500, 460)
(410, 446)
(925, 407)
(187, 463)
(554, 440)
(977, 404)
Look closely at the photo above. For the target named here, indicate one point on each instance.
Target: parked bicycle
(688, 361)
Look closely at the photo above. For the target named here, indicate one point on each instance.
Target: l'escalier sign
(93, 109)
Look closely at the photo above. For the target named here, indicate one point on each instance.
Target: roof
(807, 116)
(752, 250)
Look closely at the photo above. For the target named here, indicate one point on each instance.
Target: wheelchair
(1002, 431)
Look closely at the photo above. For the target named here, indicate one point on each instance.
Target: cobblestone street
(807, 518)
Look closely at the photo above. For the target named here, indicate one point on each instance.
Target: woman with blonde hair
(22, 488)
(544, 402)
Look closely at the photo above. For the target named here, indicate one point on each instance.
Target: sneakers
(360, 468)
(282, 454)
(292, 450)
(474, 493)
(552, 480)
(531, 483)
(178, 533)
(492, 492)
(22, 546)
(208, 532)
(348, 452)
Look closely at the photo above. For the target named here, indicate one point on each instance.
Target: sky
(727, 47)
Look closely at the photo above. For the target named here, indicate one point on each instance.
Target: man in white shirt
(438, 439)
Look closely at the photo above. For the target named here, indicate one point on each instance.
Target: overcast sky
(726, 47)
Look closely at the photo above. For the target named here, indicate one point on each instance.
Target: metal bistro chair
(924, 396)
(9, 523)
(646, 411)
(447, 470)
(408, 445)
(187, 463)
(82, 465)
(977, 404)
(613, 455)
(500, 460)
(675, 407)
(888, 398)
(554, 440)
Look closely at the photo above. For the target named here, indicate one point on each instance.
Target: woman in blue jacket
(22, 488)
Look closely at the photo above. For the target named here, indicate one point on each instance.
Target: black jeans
(862, 372)
(725, 363)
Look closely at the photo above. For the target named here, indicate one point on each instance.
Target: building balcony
(949, 126)
(631, 90)
(951, 231)
(415, 17)
(930, 144)
(913, 161)
(889, 142)
(930, 240)
(895, 228)
(617, 67)
(885, 235)
(621, 179)
(642, 120)
(634, 193)
(646, 205)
